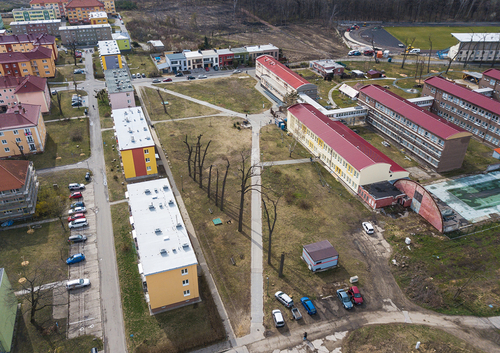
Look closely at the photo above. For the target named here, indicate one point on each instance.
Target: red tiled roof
(32, 84)
(15, 57)
(13, 174)
(493, 73)
(10, 81)
(42, 2)
(35, 38)
(83, 3)
(321, 250)
(352, 147)
(465, 94)
(283, 72)
(427, 120)
(27, 115)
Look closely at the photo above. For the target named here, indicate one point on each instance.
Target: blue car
(78, 204)
(344, 299)
(308, 305)
(75, 259)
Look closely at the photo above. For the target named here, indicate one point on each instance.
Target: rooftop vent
(157, 231)
(174, 250)
(179, 225)
(151, 206)
(171, 202)
(156, 190)
(147, 191)
(163, 251)
(165, 187)
(185, 245)
(165, 238)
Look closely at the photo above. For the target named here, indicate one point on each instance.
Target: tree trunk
(209, 180)
(282, 263)
(224, 187)
(240, 218)
(217, 189)
(190, 152)
(200, 164)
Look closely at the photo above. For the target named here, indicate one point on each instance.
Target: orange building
(26, 42)
(37, 62)
(78, 10)
(98, 18)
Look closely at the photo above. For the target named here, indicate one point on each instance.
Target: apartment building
(167, 261)
(120, 89)
(280, 81)
(29, 90)
(8, 313)
(135, 143)
(123, 41)
(226, 57)
(327, 68)
(491, 79)
(110, 55)
(194, 59)
(78, 10)
(463, 107)
(345, 154)
(210, 58)
(37, 62)
(28, 42)
(255, 51)
(109, 7)
(57, 5)
(18, 189)
(98, 18)
(429, 138)
(22, 129)
(50, 27)
(86, 34)
(34, 14)
(176, 62)
(476, 47)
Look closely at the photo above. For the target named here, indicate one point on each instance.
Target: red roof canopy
(493, 73)
(20, 116)
(32, 84)
(84, 3)
(283, 72)
(465, 94)
(352, 147)
(421, 117)
(13, 174)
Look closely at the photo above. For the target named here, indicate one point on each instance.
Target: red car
(76, 195)
(75, 216)
(167, 80)
(355, 295)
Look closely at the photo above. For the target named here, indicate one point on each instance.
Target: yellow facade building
(22, 43)
(22, 129)
(109, 7)
(98, 18)
(167, 261)
(78, 10)
(37, 62)
(110, 55)
(135, 143)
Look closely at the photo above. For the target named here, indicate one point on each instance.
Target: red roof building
(280, 81)
(29, 90)
(426, 136)
(27, 42)
(37, 62)
(463, 107)
(344, 153)
(78, 10)
(491, 79)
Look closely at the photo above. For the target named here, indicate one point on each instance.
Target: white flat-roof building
(166, 256)
(194, 59)
(255, 51)
(108, 47)
(210, 58)
(483, 47)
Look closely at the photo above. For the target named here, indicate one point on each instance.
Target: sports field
(441, 36)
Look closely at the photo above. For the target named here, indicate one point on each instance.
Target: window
(4, 142)
(147, 160)
(18, 139)
(146, 151)
(187, 293)
(7, 149)
(184, 271)
(185, 282)
(148, 169)
(15, 132)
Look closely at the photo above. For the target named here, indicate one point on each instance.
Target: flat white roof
(121, 35)
(34, 22)
(74, 28)
(108, 47)
(155, 43)
(98, 14)
(162, 238)
(348, 91)
(261, 48)
(477, 37)
(131, 128)
(209, 52)
(193, 55)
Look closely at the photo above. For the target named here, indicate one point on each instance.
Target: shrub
(305, 205)
(76, 135)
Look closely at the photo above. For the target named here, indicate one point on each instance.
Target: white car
(202, 76)
(77, 283)
(368, 228)
(279, 321)
(76, 186)
(77, 210)
(237, 72)
(284, 299)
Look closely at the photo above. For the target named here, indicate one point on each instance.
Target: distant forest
(279, 12)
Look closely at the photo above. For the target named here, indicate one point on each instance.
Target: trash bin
(389, 60)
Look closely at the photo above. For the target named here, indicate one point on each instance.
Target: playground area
(476, 198)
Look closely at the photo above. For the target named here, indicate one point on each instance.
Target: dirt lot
(184, 27)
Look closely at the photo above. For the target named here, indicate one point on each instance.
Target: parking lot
(84, 304)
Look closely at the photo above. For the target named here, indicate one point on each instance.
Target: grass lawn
(222, 242)
(67, 143)
(67, 73)
(457, 277)
(309, 212)
(47, 338)
(174, 331)
(68, 110)
(237, 93)
(96, 63)
(441, 36)
(105, 114)
(177, 107)
(113, 169)
(477, 158)
(140, 62)
(275, 143)
(402, 338)
(63, 179)
(64, 58)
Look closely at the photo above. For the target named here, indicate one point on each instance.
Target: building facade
(109, 7)
(194, 60)
(177, 62)
(135, 143)
(98, 18)
(34, 14)
(226, 57)
(120, 89)
(423, 134)
(30, 90)
(37, 62)
(78, 10)
(26, 42)
(345, 154)
(210, 58)
(255, 51)
(57, 5)
(491, 79)
(31, 27)
(18, 189)
(476, 47)
(85, 35)
(280, 81)
(8, 312)
(123, 41)
(110, 55)
(327, 68)
(22, 129)
(470, 110)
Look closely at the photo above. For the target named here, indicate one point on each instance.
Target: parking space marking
(77, 322)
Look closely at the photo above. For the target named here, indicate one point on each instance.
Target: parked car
(54, 92)
(236, 71)
(354, 53)
(401, 45)
(368, 52)
(308, 305)
(355, 295)
(78, 223)
(202, 76)
(78, 238)
(76, 186)
(191, 78)
(167, 80)
(133, 75)
(76, 195)
(74, 259)
(296, 314)
(284, 299)
(79, 71)
(156, 80)
(77, 210)
(77, 283)
(87, 176)
(75, 216)
(344, 299)
(76, 104)
(77, 204)
(279, 321)
(179, 74)
(414, 51)
(368, 228)
(143, 75)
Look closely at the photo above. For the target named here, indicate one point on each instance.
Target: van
(414, 51)
(77, 283)
(78, 223)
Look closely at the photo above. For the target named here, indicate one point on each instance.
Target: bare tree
(190, 153)
(450, 60)
(201, 161)
(217, 188)
(162, 101)
(224, 186)
(430, 54)
(75, 83)
(407, 50)
(291, 146)
(72, 48)
(21, 150)
(246, 173)
(290, 99)
(271, 221)
(58, 98)
(209, 180)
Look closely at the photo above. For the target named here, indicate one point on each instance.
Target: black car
(191, 78)
(87, 176)
(79, 238)
(76, 104)
(179, 74)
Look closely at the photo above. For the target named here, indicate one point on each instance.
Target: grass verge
(275, 145)
(140, 62)
(67, 72)
(116, 179)
(477, 158)
(402, 338)
(173, 331)
(67, 109)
